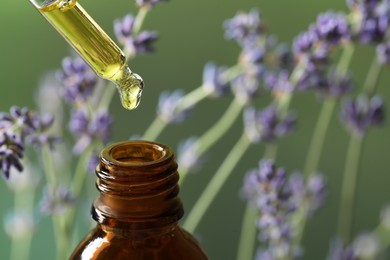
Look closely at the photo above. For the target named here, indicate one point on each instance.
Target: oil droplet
(130, 91)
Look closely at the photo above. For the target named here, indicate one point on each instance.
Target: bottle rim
(124, 154)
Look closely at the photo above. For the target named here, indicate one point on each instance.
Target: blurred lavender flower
(365, 246)
(312, 48)
(78, 78)
(383, 53)
(11, 151)
(266, 187)
(149, 3)
(244, 27)
(283, 57)
(252, 59)
(134, 44)
(364, 5)
(57, 201)
(89, 129)
(310, 51)
(93, 162)
(245, 88)
(369, 20)
(261, 181)
(316, 192)
(373, 29)
(267, 125)
(15, 127)
(362, 113)
(19, 224)
(168, 110)
(332, 28)
(213, 81)
(334, 85)
(340, 252)
(187, 156)
(18, 119)
(312, 192)
(278, 198)
(279, 82)
(40, 137)
(264, 254)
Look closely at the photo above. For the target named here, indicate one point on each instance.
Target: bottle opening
(133, 153)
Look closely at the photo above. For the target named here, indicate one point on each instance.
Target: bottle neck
(138, 186)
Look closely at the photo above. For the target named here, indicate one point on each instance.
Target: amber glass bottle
(138, 208)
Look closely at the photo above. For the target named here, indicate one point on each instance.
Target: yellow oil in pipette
(94, 46)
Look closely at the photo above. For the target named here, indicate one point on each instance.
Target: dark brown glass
(138, 208)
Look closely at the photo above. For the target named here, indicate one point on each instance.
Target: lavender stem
(218, 180)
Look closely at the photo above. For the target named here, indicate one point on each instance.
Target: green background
(191, 34)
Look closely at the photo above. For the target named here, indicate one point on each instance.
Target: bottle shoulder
(176, 244)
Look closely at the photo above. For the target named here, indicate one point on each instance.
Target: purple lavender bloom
(310, 50)
(11, 151)
(312, 192)
(365, 246)
(213, 81)
(168, 109)
(40, 136)
(332, 28)
(305, 41)
(134, 44)
(252, 59)
(57, 201)
(78, 78)
(267, 125)
(316, 192)
(149, 3)
(366, 5)
(263, 254)
(187, 155)
(284, 58)
(79, 121)
(93, 162)
(338, 251)
(19, 118)
(245, 87)
(124, 28)
(278, 197)
(267, 188)
(362, 113)
(383, 53)
(17, 126)
(334, 85)
(143, 42)
(373, 29)
(310, 79)
(100, 125)
(370, 20)
(88, 129)
(244, 27)
(279, 82)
